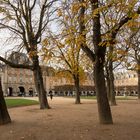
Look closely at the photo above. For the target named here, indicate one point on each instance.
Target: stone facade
(126, 83)
(16, 81)
(21, 81)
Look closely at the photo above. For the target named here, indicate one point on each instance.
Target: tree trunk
(138, 73)
(77, 90)
(98, 59)
(108, 83)
(38, 79)
(112, 87)
(112, 90)
(4, 115)
(105, 116)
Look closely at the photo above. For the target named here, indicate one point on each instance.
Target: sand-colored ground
(67, 121)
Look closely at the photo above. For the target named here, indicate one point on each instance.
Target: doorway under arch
(10, 91)
(21, 91)
(31, 92)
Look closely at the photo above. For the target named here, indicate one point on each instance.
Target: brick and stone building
(21, 81)
(17, 81)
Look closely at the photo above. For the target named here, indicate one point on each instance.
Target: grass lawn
(19, 102)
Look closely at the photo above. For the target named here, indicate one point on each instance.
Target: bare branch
(16, 65)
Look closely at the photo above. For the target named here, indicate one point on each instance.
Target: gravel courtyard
(67, 121)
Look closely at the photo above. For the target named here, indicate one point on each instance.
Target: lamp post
(125, 90)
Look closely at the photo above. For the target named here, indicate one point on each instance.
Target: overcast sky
(4, 47)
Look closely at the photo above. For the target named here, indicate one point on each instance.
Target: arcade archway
(10, 91)
(21, 91)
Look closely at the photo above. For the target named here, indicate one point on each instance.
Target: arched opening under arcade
(21, 91)
(10, 91)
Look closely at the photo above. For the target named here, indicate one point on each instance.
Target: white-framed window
(14, 79)
(10, 79)
(20, 80)
(31, 79)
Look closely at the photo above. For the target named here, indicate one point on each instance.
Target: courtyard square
(67, 121)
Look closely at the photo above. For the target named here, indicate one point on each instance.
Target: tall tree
(109, 18)
(27, 21)
(4, 115)
(98, 55)
(71, 51)
(67, 50)
(133, 57)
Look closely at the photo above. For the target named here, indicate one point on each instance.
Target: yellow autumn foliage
(45, 42)
(75, 8)
(32, 53)
(59, 12)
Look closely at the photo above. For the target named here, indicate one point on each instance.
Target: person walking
(51, 95)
